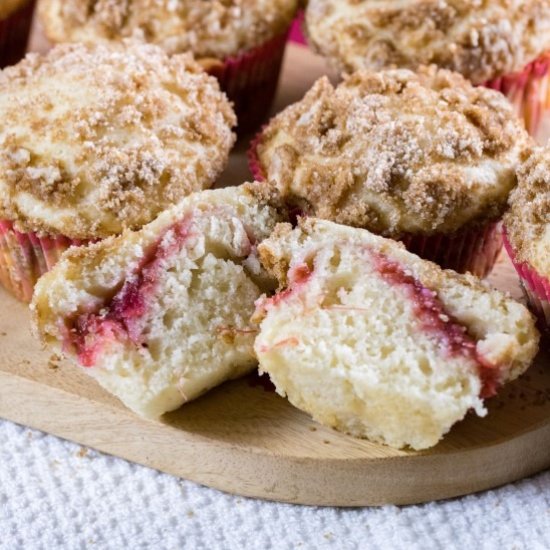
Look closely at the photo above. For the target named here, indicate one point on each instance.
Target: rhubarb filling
(298, 275)
(434, 319)
(121, 319)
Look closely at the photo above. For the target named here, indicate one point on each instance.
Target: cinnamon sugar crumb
(396, 152)
(482, 39)
(213, 29)
(94, 140)
(528, 221)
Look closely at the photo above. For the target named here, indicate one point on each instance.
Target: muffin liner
(529, 92)
(474, 248)
(296, 31)
(250, 80)
(536, 288)
(25, 257)
(14, 34)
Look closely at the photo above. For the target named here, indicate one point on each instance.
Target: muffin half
(373, 341)
(161, 315)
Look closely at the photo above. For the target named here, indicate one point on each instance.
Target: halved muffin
(161, 315)
(376, 342)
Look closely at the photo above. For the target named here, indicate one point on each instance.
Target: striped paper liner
(25, 257)
(529, 92)
(250, 81)
(536, 288)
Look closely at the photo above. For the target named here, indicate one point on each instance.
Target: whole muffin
(527, 227)
(500, 43)
(422, 157)
(240, 41)
(15, 26)
(95, 140)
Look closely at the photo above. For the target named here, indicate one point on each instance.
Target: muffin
(423, 157)
(15, 26)
(241, 42)
(162, 315)
(98, 139)
(501, 44)
(527, 232)
(373, 341)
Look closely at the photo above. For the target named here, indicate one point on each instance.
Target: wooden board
(245, 440)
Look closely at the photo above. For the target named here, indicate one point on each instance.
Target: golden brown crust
(396, 152)
(481, 40)
(94, 140)
(528, 220)
(217, 28)
(7, 7)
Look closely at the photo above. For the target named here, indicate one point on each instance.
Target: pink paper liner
(473, 248)
(529, 92)
(14, 34)
(25, 257)
(250, 81)
(296, 32)
(536, 288)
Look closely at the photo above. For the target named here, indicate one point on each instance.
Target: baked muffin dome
(396, 152)
(97, 139)
(217, 29)
(528, 220)
(481, 40)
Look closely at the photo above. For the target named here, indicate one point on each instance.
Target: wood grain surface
(243, 439)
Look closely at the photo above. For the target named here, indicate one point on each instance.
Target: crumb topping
(481, 39)
(214, 28)
(528, 220)
(7, 7)
(96, 139)
(396, 152)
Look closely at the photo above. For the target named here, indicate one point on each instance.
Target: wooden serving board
(243, 439)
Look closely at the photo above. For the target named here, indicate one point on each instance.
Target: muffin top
(210, 29)
(7, 7)
(96, 139)
(396, 152)
(528, 220)
(481, 39)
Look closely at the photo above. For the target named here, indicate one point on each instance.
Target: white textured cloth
(55, 494)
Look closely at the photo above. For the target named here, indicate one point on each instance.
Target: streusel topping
(396, 152)
(481, 39)
(528, 221)
(7, 7)
(210, 29)
(97, 139)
